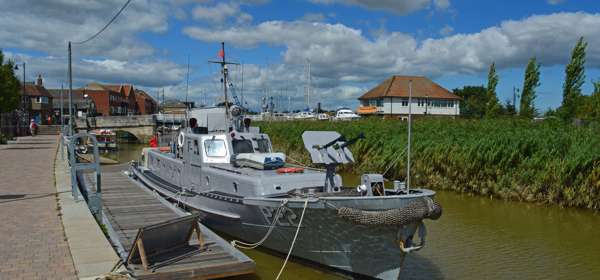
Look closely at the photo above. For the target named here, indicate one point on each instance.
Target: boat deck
(129, 206)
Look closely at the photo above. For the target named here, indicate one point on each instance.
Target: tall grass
(513, 159)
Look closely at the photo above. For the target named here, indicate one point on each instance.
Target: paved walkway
(32, 239)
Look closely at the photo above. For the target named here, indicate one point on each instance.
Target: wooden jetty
(128, 206)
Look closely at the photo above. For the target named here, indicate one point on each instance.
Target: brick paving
(32, 240)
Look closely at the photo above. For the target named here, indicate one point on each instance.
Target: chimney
(39, 81)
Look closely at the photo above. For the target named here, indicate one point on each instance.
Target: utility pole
(62, 110)
(71, 119)
(409, 135)
(243, 86)
(515, 93)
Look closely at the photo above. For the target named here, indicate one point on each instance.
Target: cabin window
(242, 146)
(263, 145)
(215, 148)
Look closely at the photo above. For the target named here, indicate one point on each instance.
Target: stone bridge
(140, 126)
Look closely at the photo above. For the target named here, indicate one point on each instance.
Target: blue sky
(352, 44)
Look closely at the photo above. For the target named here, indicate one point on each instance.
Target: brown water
(478, 238)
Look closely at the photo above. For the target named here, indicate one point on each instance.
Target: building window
(379, 102)
(404, 102)
(41, 99)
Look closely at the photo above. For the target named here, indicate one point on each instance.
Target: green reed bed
(508, 158)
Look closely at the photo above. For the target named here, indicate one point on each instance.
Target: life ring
(180, 139)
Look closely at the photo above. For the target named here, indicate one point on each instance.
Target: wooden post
(199, 235)
(140, 246)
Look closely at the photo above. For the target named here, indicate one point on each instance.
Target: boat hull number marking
(287, 217)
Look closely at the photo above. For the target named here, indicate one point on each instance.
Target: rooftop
(397, 86)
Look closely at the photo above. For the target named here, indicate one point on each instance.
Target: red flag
(221, 53)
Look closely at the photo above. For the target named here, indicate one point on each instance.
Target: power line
(106, 26)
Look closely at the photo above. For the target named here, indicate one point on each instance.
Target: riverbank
(546, 162)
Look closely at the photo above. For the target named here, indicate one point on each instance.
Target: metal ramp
(175, 245)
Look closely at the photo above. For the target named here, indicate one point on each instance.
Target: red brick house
(145, 103)
(111, 100)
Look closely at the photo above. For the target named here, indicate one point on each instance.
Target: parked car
(345, 114)
(304, 115)
(323, 117)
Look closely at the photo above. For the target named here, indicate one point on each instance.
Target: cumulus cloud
(400, 7)
(220, 13)
(340, 52)
(150, 73)
(46, 26)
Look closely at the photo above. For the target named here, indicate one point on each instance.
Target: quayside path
(32, 239)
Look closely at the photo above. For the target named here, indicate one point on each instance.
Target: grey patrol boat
(227, 170)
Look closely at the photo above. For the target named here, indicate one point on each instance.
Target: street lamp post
(23, 98)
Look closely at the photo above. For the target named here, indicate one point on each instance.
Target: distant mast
(308, 84)
(225, 73)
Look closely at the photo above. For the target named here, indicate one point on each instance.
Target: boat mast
(225, 73)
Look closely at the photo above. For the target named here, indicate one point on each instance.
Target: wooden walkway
(129, 206)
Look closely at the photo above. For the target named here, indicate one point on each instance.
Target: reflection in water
(476, 238)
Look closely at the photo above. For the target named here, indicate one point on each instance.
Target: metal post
(62, 112)
(23, 98)
(71, 119)
(409, 135)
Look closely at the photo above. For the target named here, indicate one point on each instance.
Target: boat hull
(324, 238)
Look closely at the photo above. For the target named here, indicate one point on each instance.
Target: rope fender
(415, 211)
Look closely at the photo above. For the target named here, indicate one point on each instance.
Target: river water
(477, 238)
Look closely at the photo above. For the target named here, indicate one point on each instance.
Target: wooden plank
(128, 208)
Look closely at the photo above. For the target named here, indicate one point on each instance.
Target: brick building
(37, 101)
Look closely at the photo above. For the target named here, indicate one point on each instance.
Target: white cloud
(46, 26)
(446, 30)
(150, 73)
(339, 51)
(220, 13)
(317, 17)
(401, 7)
(555, 2)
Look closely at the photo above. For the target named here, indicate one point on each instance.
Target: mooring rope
(249, 246)
(294, 240)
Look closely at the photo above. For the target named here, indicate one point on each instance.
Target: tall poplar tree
(531, 81)
(574, 78)
(492, 106)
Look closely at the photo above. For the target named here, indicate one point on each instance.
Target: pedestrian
(33, 127)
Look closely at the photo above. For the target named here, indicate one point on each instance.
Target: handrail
(94, 198)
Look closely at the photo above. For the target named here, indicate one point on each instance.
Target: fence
(14, 124)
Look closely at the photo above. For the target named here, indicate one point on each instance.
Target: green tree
(588, 106)
(9, 86)
(493, 107)
(574, 78)
(473, 101)
(531, 81)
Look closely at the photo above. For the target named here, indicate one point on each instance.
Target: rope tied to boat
(414, 211)
(294, 240)
(249, 246)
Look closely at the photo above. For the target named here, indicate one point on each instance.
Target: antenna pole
(409, 135)
(224, 70)
(243, 86)
(71, 118)
(187, 87)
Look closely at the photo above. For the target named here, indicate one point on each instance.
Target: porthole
(235, 187)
